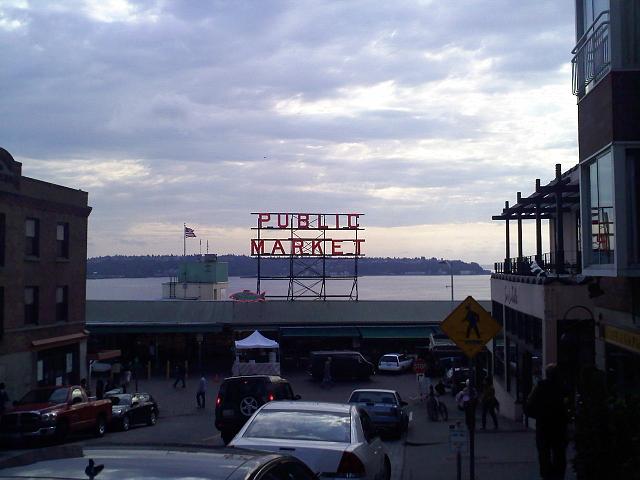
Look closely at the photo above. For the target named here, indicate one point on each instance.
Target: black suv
(240, 396)
(344, 365)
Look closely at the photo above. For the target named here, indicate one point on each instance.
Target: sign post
(471, 327)
(458, 441)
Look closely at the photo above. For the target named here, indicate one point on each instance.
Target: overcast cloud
(424, 115)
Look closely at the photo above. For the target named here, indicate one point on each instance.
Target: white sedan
(335, 440)
(394, 362)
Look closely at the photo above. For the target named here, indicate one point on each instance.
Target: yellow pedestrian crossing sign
(470, 326)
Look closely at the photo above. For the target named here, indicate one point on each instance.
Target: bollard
(168, 369)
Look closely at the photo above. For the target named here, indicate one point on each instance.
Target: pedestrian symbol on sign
(472, 319)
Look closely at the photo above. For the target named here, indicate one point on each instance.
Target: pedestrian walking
(126, 379)
(202, 389)
(326, 376)
(4, 398)
(85, 386)
(100, 389)
(489, 403)
(546, 405)
(180, 373)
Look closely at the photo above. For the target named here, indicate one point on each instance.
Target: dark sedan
(132, 409)
(385, 408)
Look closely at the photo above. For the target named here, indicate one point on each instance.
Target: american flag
(188, 232)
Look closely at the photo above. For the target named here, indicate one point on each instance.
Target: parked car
(334, 440)
(394, 362)
(239, 397)
(440, 345)
(133, 408)
(385, 408)
(115, 463)
(49, 411)
(344, 365)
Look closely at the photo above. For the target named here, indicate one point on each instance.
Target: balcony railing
(548, 264)
(591, 55)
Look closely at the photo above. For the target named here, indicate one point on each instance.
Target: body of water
(402, 287)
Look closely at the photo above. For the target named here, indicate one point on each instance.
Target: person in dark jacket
(489, 403)
(546, 404)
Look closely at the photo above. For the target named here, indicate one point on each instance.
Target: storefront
(59, 360)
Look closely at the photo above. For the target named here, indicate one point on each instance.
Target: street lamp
(451, 273)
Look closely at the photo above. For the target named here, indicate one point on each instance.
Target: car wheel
(248, 405)
(101, 426)
(227, 436)
(387, 469)
(126, 423)
(152, 418)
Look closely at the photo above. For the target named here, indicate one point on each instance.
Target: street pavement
(508, 453)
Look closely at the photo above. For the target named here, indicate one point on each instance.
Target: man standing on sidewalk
(202, 389)
(546, 405)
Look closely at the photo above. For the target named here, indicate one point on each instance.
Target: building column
(507, 260)
(559, 223)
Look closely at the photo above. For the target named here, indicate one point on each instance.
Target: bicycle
(436, 409)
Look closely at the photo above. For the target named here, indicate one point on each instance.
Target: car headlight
(49, 417)
(117, 411)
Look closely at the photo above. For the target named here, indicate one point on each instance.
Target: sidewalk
(507, 453)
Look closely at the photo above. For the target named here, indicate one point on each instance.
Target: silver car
(335, 440)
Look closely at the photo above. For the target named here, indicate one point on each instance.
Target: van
(344, 365)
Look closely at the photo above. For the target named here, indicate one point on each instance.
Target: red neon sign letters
(307, 235)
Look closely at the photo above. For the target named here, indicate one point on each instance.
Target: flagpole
(184, 240)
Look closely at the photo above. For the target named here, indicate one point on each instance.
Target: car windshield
(45, 395)
(123, 399)
(307, 425)
(373, 397)
(389, 358)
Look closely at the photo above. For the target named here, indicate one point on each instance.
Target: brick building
(43, 251)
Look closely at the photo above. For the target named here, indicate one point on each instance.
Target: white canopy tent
(256, 340)
(251, 358)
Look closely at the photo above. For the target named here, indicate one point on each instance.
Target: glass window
(32, 237)
(2, 237)
(301, 425)
(31, 305)
(62, 240)
(62, 304)
(602, 214)
(373, 397)
(1, 312)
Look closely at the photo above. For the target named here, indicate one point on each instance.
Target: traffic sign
(470, 326)
(458, 438)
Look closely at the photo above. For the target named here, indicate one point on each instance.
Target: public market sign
(307, 235)
(470, 326)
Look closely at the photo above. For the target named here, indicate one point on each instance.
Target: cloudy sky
(423, 115)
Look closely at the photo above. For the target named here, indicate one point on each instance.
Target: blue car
(385, 408)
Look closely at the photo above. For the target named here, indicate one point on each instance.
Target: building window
(1, 312)
(633, 189)
(3, 228)
(31, 305)
(32, 237)
(62, 240)
(602, 214)
(62, 304)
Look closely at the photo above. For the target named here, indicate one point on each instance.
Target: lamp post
(451, 273)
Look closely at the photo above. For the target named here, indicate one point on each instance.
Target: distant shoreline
(412, 274)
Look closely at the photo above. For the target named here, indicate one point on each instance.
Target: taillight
(271, 397)
(218, 400)
(350, 464)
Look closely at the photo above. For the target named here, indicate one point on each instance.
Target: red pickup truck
(58, 411)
